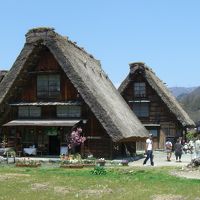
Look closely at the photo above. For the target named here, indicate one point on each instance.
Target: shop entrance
(54, 145)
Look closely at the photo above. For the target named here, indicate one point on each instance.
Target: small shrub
(99, 171)
(191, 135)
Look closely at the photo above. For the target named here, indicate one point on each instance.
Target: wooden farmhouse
(154, 105)
(54, 85)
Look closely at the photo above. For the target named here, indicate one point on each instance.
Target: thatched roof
(160, 88)
(88, 78)
(2, 74)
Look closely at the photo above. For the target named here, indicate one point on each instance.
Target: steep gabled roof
(88, 78)
(2, 74)
(164, 93)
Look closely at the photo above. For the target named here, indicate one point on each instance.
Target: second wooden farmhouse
(154, 105)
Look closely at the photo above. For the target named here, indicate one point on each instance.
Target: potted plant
(101, 162)
(124, 162)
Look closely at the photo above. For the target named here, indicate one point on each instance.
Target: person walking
(149, 150)
(197, 146)
(168, 147)
(178, 149)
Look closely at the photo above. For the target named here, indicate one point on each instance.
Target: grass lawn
(52, 182)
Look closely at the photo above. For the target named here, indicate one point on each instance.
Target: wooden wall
(98, 141)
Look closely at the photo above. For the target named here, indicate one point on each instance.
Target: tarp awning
(42, 122)
(153, 125)
(68, 103)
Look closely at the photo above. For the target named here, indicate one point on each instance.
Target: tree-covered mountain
(191, 103)
(177, 91)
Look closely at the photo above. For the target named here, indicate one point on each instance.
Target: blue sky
(165, 34)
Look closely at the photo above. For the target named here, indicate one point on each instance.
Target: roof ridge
(50, 32)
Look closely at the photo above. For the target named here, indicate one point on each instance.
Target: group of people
(178, 149)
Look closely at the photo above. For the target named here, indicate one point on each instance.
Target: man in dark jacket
(178, 149)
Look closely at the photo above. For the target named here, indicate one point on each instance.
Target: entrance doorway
(54, 145)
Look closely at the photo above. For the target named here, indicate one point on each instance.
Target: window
(23, 111)
(169, 132)
(141, 109)
(140, 89)
(29, 112)
(154, 132)
(48, 86)
(68, 111)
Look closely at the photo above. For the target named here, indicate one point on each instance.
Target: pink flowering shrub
(76, 138)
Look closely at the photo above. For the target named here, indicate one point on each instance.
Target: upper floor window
(29, 112)
(48, 86)
(140, 89)
(141, 109)
(68, 111)
(154, 132)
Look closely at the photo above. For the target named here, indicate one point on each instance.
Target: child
(168, 147)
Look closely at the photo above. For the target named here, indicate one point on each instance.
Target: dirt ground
(187, 173)
(168, 197)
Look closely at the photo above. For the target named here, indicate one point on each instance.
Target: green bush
(99, 171)
(191, 135)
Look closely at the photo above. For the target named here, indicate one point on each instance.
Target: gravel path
(160, 159)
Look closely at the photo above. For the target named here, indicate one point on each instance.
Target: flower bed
(77, 166)
(71, 161)
(89, 165)
(27, 163)
(75, 161)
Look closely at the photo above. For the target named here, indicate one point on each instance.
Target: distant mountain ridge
(180, 91)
